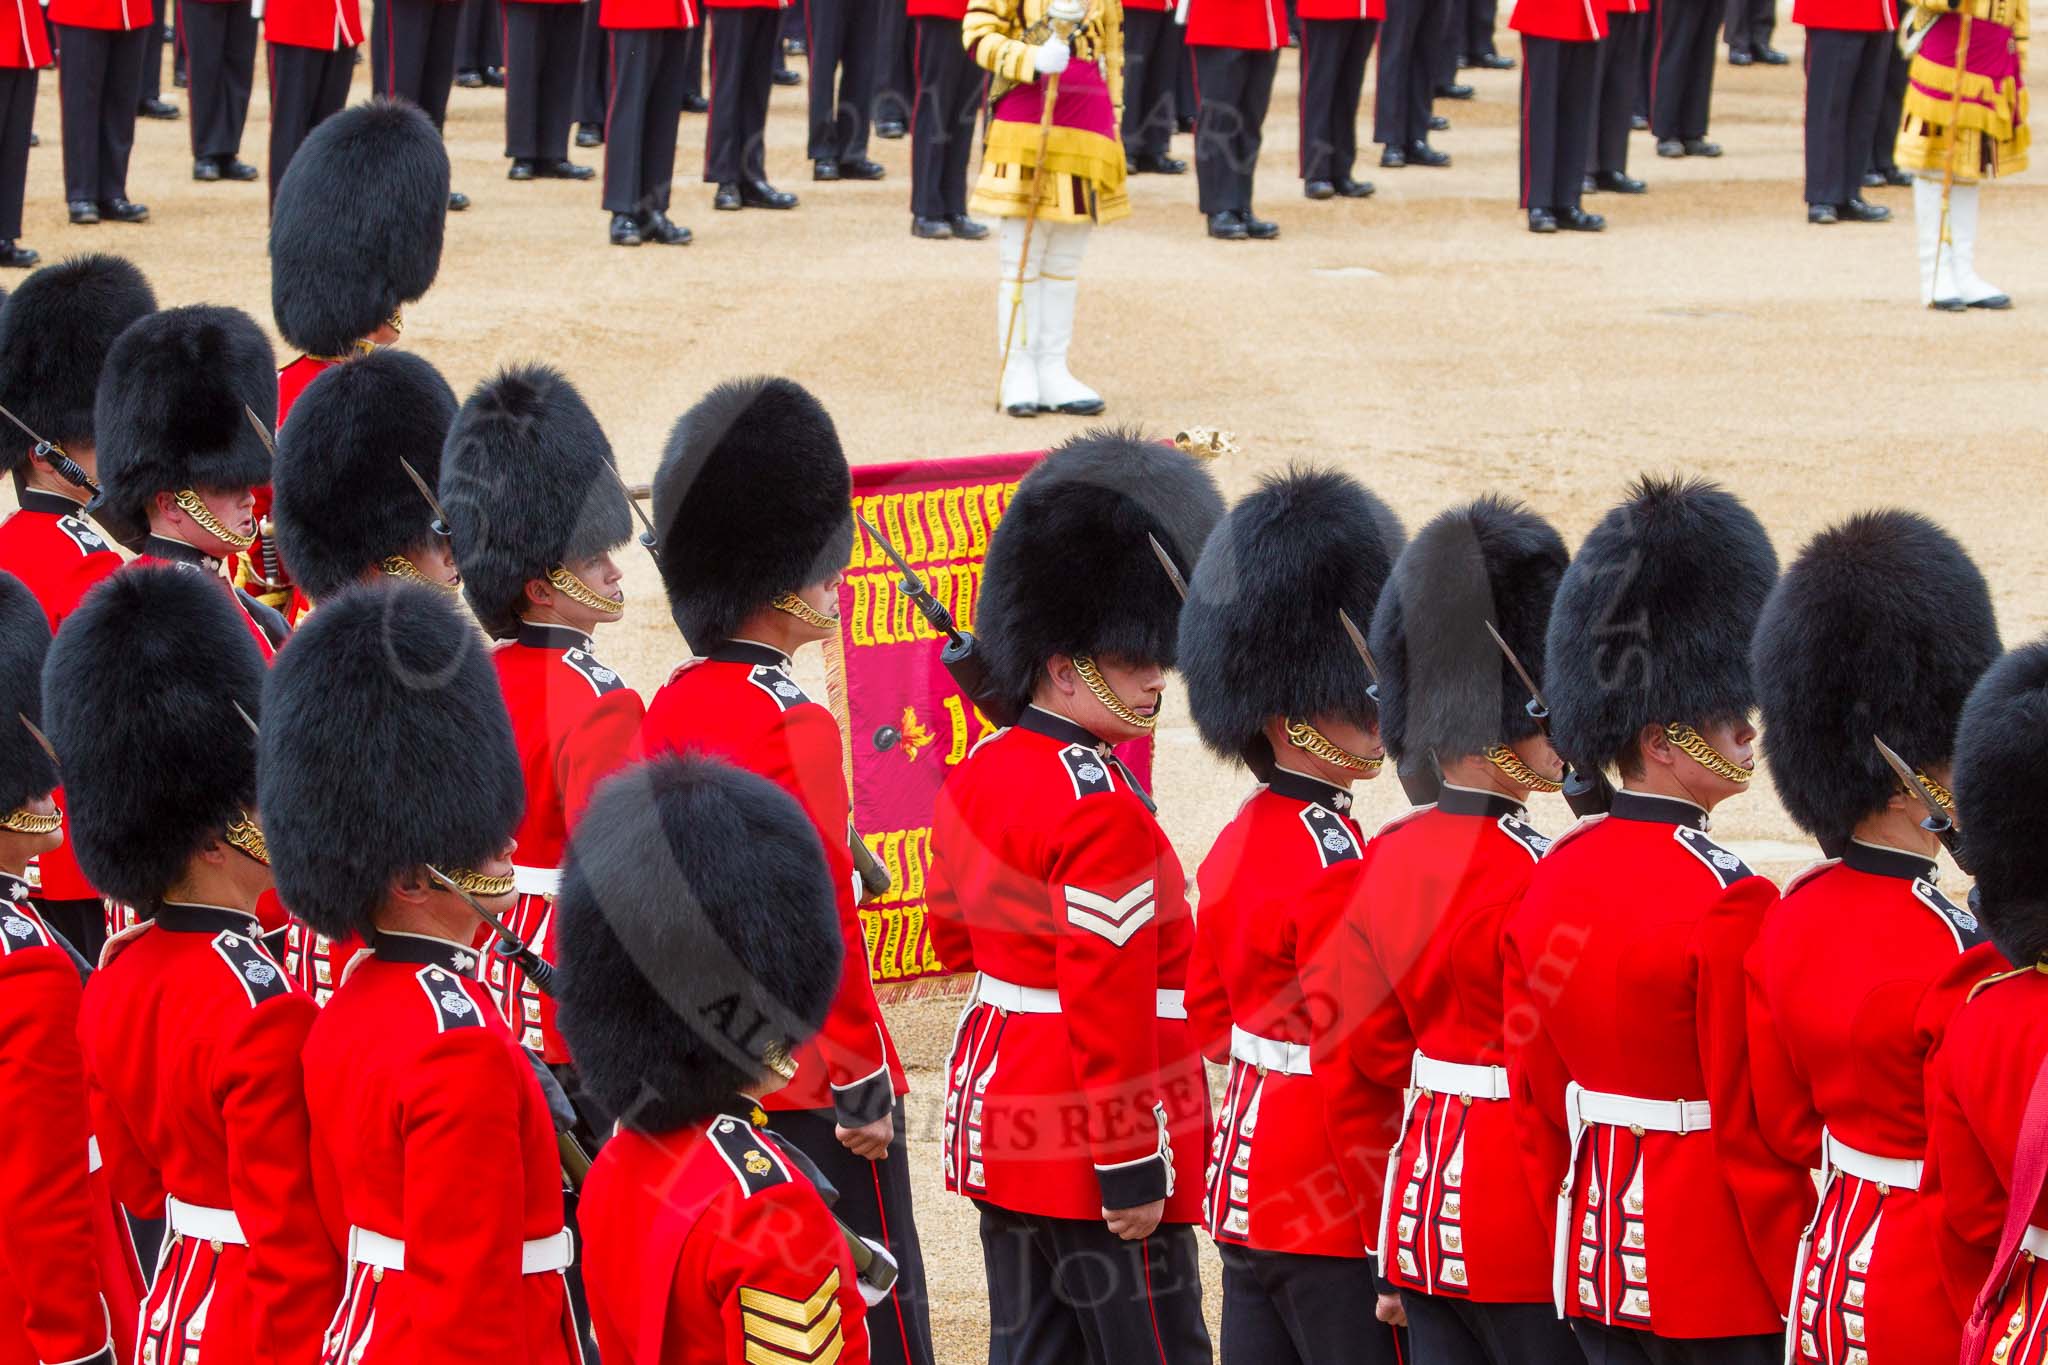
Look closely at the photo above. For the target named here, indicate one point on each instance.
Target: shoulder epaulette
(260, 977)
(452, 1006)
(1726, 866)
(1335, 842)
(1579, 827)
(1967, 928)
(584, 665)
(19, 931)
(780, 687)
(1086, 770)
(1532, 840)
(82, 535)
(751, 1157)
(1807, 874)
(1403, 818)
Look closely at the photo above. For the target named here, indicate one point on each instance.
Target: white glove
(1050, 57)
(255, 9)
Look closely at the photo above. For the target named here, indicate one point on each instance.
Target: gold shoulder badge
(780, 1329)
(758, 1164)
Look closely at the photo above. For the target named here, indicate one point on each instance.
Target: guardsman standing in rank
(1677, 1227)
(192, 1031)
(844, 40)
(1682, 77)
(72, 1283)
(177, 451)
(948, 96)
(1617, 76)
(412, 59)
(1405, 88)
(310, 51)
(220, 63)
(700, 946)
(649, 52)
(1236, 50)
(1849, 49)
(1153, 55)
(1271, 674)
(345, 511)
(1418, 957)
(98, 87)
(390, 764)
(751, 579)
(1336, 42)
(542, 38)
(745, 39)
(1986, 1106)
(24, 51)
(1561, 41)
(1879, 629)
(1076, 1107)
(536, 513)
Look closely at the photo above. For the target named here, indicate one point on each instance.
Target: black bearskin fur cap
(357, 226)
(389, 748)
(1654, 617)
(1259, 635)
(696, 925)
(2001, 770)
(1069, 570)
(55, 332)
(1880, 628)
(25, 770)
(1445, 687)
(139, 694)
(753, 499)
(529, 482)
(170, 407)
(341, 501)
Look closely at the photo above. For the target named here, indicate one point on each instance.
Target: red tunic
(328, 26)
(192, 1037)
(573, 720)
(116, 15)
(736, 1262)
(430, 1130)
(158, 553)
(1574, 21)
(1341, 9)
(1050, 874)
(648, 14)
(741, 705)
(71, 1283)
(1865, 16)
(956, 10)
(1625, 976)
(293, 378)
(1260, 25)
(60, 557)
(1274, 1181)
(24, 42)
(1850, 985)
(1427, 911)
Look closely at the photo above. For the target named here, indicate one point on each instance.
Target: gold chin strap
(1510, 762)
(25, 821)
(477, 884)
(1091, 677)
(803, 611)
(1316, 744)
(190, 504)
(244, 834)
(398, 566)
(1690, 742)
(777, 1059)
(576, 590)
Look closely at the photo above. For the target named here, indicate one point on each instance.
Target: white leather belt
(1269, 1054)
(2035, 1243)
(1628, 1111)
(536, 881)
(538, 1256)
(92, 1155)
(1896, 1172)
(1463, 1079)
(1014, 999)
(208, 1225)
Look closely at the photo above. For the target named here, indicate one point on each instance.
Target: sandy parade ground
(1419, 339)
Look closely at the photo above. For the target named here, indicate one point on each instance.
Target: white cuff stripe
(869, 1079)
(1134, 1161)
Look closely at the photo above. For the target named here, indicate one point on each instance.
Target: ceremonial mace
(1065, 16)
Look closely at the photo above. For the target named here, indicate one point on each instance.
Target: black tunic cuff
(865, 1101)
(1130, 1184)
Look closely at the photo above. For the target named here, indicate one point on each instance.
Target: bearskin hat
(55, 332)
(753, 499)
(390, 749)
(25, 770)
(1069, 570)
(1259, 635)
(529, 482)
(139, 692)
(1653, 619)
(2001, 764)
(695, 904)
(1880, 627)
(356, 229)
(170, 407)
(340, 499)
(1445, 687)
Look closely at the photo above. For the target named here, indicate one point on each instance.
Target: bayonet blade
(902, 565)
(440, 517)
(1180, 585)
(262, 432)
(1358, 643)
(1535, 692)
(26, 429)
(1938, 817)
(247, 719)
(40, 738)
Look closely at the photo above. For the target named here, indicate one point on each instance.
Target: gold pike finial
(1206, 443)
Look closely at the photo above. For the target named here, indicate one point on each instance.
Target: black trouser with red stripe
(17, 120)
(307, 85)
(220, 66)
(1748, 25)
(1619, 74)
(949, 87)
(874, 1200)
(1333, 57)
(593, 68)
(1557, 120)
(744, 44)
(1626, 1346)
(844, 42)
(542, 42)
(1062, 1291)
(1845, 72)
(640, 125)
(412, 52)
(1234, 86)
(1450, 1331)
(1682, 83)
(1153, 53)
(1281, 1308)
(98, 72)
(1884, 138)
(1406, 87)
(479, 39)
(153, 53)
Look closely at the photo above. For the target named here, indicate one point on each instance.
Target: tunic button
(1464, 1099)
(1883, 1190)
(1636, 1128)
(216, 1247)
(377, 1274)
